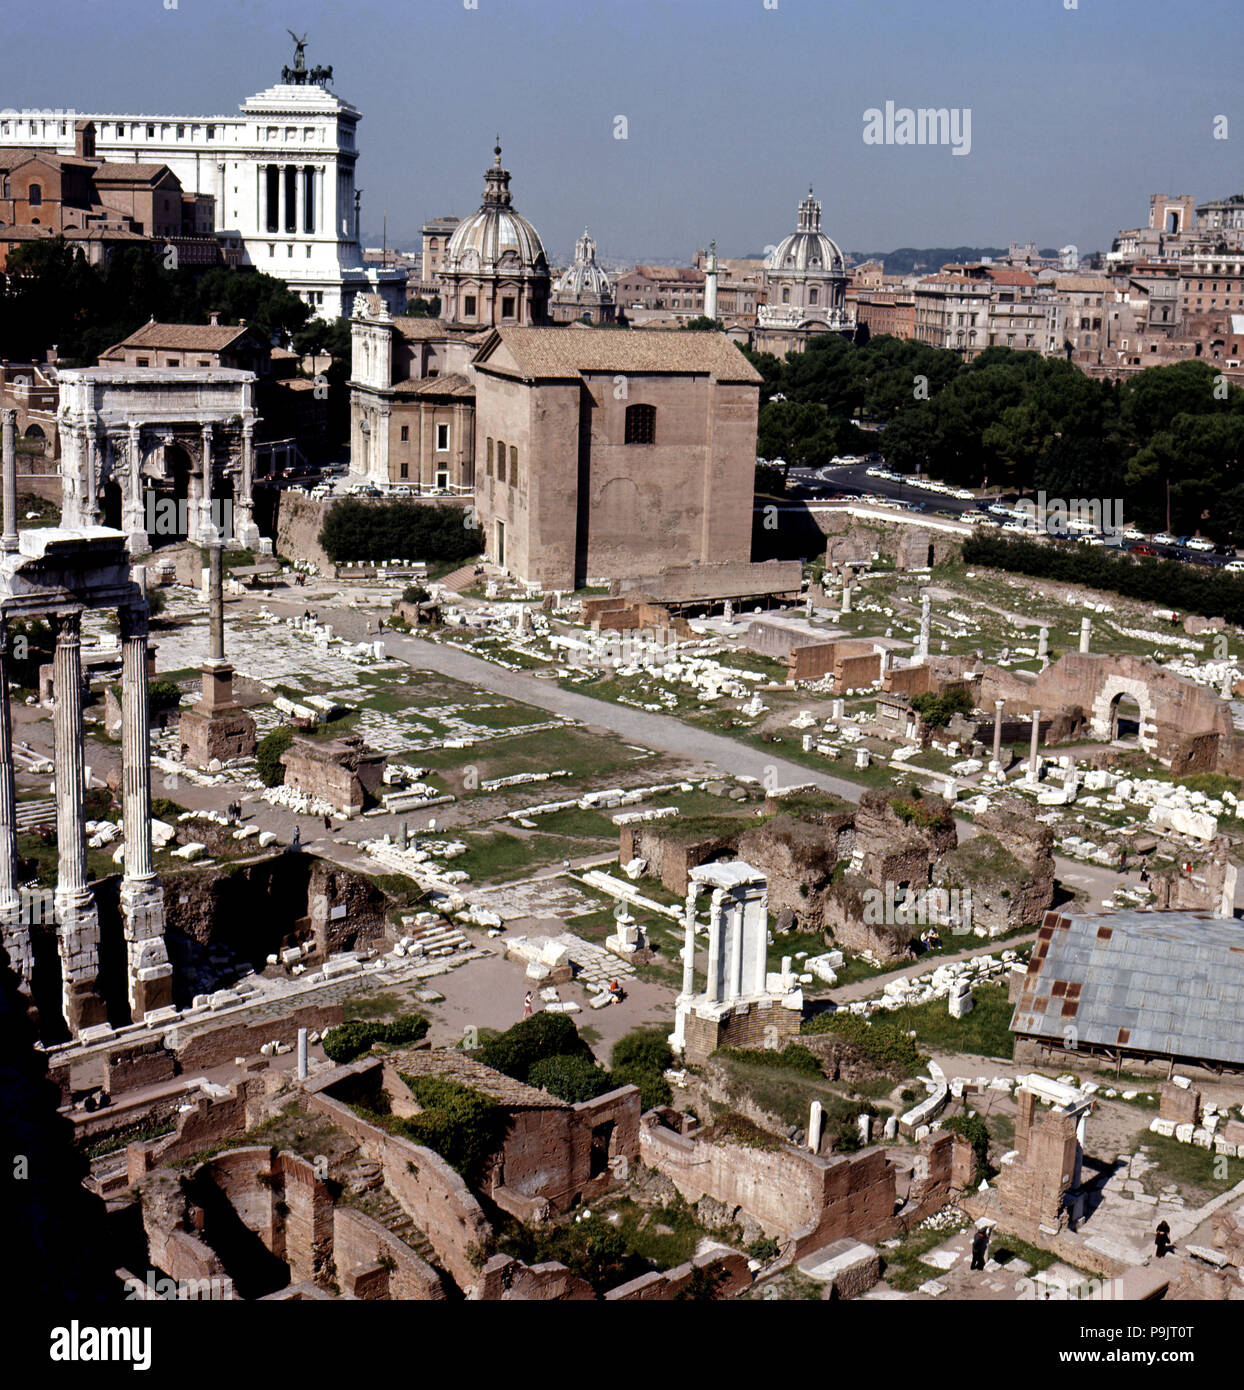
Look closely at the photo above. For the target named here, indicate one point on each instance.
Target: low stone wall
(434, 1197)
(373, 1263)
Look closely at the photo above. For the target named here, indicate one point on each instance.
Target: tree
(424, 308)
(519, 1048)
(268, 756)
(572, 1077)
(357, 530)
(703, 324)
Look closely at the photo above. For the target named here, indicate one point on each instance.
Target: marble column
(1086, 631)
(815, 1118)
(1043, 647)
(206, 519)
(8, 542)
(688, 947)
(148, 972)
(734, 918)
(14, 926)
(244, 527)
(134, 520)
(998, 706)
(923, 649)
(1036, 737)
(846, 596)
(77, 917)
(713, 987)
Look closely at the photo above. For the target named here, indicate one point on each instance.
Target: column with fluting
(712, 988)
(688, 947)
(9, 540)
(148, 971)
(77, 918)
(14, 925)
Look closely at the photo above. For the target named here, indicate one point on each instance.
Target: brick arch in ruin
(1181, 723)
(155, 436)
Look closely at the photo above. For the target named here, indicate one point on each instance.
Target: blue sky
(732, 107)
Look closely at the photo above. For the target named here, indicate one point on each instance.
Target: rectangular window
(500, 461)
(151, 132)
(488, 459)
(211, 132)
(507, 306)
(442, 438)
(405, 434)
(291, 199)
(513, 465)
(468, 306)
(308, 202)
(174, 361)
(405, 470)
(142, 361)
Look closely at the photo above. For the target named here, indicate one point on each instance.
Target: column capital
(67, 624)
(9, 416)
(135, 621)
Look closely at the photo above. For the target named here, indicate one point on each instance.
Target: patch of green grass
(1031, 1254)
(985, 1032)
(1194, 1169)
(370, 1006)
(500, 856)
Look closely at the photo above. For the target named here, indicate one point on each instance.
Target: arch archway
(1125, 719)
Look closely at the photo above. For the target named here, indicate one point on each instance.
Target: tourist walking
(527, 1004)
(1162, 1239)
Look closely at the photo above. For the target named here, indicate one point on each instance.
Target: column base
(137, 543)
(149, 975)
(77, 942)
(248, 533)
(15, 942)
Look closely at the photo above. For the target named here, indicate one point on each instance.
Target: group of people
(235, 812)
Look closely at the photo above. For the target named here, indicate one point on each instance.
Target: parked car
(1234, 567)
(1143, 550)
(1200, 543)
(1164, 538)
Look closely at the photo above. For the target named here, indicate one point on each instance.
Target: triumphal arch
(136, 439)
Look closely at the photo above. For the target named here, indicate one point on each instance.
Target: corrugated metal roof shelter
(1166, 984)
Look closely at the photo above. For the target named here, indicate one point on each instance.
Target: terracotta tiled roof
(130, 173)
(1082, 283)
(557, 352)
(187, 337)
(453, 384)
(450, 1065)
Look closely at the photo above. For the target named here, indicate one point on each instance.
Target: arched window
(786, 296)
(488, 458)
(34, 195)
(812, 296)
(500, 461)
(641, 424)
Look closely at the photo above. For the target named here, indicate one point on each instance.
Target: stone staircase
(370, 1195)
(435, 939)
(460, 579)
(36, 815)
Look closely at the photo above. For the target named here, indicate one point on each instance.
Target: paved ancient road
(656, 731)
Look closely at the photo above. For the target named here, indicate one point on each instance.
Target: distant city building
(281, 174)
(583, 291)
(99, 206)
(805, 285)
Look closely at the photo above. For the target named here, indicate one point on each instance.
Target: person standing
(527, 1005)
(1162, 1240)
(980, 1247)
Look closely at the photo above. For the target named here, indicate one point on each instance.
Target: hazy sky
(732, 107)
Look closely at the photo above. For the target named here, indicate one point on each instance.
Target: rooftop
(562, 352)
(1167, 983)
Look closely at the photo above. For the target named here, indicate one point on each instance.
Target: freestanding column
(997, 731)
(688, 948)
(148, 971)
(9, 540)
(1043, 647)
(14, 928)
(923, 649)
(1086, 630)
(1032, 753)
(216, 591)
(76, 914)
(712, 988)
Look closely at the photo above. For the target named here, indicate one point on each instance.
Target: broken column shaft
(216, 586)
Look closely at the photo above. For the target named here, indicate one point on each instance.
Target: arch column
(244, 526)
(135, 525)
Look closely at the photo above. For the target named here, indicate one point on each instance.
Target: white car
(875, 472)
(1164, 538)
(963, 495)
(1200, 543)
(1234, 567)
(1132, 534)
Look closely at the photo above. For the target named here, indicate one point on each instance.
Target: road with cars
(871, 480)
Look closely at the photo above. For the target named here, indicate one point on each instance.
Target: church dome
(584, 276)
(807, 250)
(496, 234)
